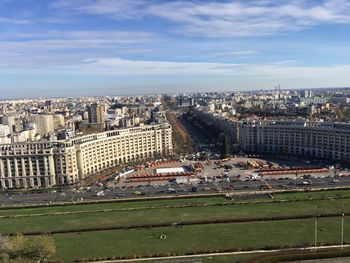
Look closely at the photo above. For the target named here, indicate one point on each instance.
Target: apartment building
(103, 150)
(44, 123)
(27, 164)
(46, 164)
(96, 113)
(312, 139)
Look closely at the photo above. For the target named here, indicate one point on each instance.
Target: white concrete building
(4, 134)
(4, 130)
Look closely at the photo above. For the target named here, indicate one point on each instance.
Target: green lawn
(169, 215)
(320, 194)
(187, 238)
(194, 238)
(116, 205)
(159, 203)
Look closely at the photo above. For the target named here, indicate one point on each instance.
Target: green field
(197, 238)
(183, 239)
(160, 203)
(308, 195)
(114, 205)
(168, 215)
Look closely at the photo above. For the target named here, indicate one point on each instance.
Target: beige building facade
(44, 123)
(310, 139)
(44, 164)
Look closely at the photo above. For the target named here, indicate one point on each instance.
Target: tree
(225, 148)
(38, 248)
(42, 247)
(19, 245)
(5, 244)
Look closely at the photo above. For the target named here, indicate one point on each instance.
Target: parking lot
(239, 174)
(235, 174)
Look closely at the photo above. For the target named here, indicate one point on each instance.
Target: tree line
(213, 133)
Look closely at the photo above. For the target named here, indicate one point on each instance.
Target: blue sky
(100, 47)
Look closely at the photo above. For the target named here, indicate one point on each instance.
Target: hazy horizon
(167, 93)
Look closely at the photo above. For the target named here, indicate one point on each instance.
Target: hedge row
(164, 254)
(280, 256)
(298, 255)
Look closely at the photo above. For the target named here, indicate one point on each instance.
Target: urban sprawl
(62, 141)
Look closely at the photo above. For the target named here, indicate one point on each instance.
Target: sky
(55, 48)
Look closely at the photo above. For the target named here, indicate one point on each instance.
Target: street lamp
(188, 185)
(316, 219)
(149, 186)
(115, 188)
(342, 228)
(222, 180)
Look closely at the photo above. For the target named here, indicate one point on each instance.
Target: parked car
(100, 193)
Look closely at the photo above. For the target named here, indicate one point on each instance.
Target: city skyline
(70, 48)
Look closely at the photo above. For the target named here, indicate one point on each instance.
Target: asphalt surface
(217, 186)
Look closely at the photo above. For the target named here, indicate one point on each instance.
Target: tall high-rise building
(96, 113)
(44, 123)
(10, 121)
(59, 121)
(48, 105)
(306, 93)
(4, 133)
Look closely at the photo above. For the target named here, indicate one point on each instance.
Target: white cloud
(244, 19)
(6, 20)
(222, 19)
(120, 9)
(60, 40)
(285, 69)
(125, 67)
(221, 75)
(230, 54)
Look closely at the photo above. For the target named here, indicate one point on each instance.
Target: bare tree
(42, 247)
(5, 244)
